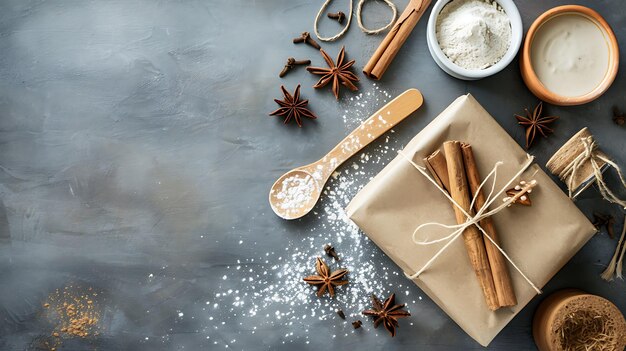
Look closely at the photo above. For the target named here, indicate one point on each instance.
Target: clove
(608, 221)
(339, 16)
(619, 118)
(306, 38)
(330, 251)
(341, 314)
(609, 227)
(291, 64)
(357, 324)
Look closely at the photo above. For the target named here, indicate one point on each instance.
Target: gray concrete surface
(136, 155)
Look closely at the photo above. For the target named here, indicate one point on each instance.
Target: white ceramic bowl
(467, 74)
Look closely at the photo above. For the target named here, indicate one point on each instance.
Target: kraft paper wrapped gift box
(540, 239)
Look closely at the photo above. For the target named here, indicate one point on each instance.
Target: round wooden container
(555, 310)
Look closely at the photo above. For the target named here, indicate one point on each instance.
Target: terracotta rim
(536, 86)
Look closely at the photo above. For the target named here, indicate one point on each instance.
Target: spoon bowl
(296, 192)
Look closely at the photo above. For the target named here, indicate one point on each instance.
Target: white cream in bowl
(570, 54)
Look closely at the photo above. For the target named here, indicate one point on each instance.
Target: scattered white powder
(474, 34)
(267, 292)
(274, 289)
(363, 105)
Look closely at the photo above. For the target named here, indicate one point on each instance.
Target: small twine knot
(580, 162)
(589, 154)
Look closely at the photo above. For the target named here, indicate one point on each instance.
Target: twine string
(471, 220)
(317, 19)
(359, 14)
(589, 154)
(614, 268)
(457, 226)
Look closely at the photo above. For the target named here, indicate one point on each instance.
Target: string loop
(359, 15)
(358, 18)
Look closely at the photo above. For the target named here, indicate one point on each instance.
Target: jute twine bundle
(580, 163)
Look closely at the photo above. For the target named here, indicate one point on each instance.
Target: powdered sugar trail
(270, 291)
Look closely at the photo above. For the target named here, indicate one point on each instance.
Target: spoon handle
(376, 125)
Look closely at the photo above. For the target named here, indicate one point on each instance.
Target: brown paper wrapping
(539, 239)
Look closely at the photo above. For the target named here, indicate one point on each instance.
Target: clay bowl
(532, 81)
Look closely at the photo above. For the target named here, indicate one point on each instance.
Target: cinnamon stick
(436, 165)
(474, 243)
(499, 267)
(387, 50)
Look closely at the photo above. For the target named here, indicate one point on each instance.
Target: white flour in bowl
(474, 34)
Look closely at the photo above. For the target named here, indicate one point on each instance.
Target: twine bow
(481, 214)
(589, 154)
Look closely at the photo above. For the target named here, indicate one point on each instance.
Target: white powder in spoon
(474, 34)
(296, 192)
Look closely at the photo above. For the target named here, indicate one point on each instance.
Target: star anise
(292, 107)
(387, 313)
(337, 73)
(535, 122)
(325, 280)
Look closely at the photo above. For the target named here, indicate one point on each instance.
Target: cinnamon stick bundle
(499, 267)
(474, 243)
(437, 165)
(387, 50)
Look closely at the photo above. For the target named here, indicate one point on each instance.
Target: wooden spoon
(295, 193)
